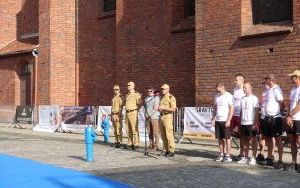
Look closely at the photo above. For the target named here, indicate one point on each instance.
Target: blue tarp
(23, 173)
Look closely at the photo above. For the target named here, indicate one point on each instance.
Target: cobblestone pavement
(193, 165)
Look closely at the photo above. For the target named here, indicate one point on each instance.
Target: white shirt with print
(223, 102)
(273, 97)
(294, 100)
(238, 94)
(248, 106)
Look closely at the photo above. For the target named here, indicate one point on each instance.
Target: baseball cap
(165, 86)
(295, 73)
(116, 87)
(131, 83)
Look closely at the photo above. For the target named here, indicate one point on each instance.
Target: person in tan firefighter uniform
(167, 106)
(133, 103)
(116, 115)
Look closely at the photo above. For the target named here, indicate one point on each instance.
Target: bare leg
(246, 146)
(228, 146)
(221, 146)
(262, 144)
(270, 145)
(293, 142)
(280, 147)
(254, 146)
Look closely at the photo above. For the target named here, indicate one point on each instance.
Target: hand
(161, 109)
(227, 124)
(289, 121)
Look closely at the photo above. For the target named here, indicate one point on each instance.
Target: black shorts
(247, 131)
(221, 132)
(295, 130)
(272, 127)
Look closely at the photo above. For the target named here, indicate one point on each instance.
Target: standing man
(293, 118)
(261, 156)
(152, 116)
(133, 103)
(167, 106)
(272, 127)
(116, 114)
(249, 120)
(222, 115)
(238, 94)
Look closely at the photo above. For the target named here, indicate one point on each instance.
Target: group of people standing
(234, 114)
(238, 114)
(158, 113)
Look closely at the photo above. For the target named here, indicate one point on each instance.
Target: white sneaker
(252, 161)
(243, 160)
(227, 159)
(220, 158)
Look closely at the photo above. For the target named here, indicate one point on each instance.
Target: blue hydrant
(90, 138)
(105, 127)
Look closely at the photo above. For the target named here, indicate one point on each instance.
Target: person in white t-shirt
(261, 156)
(293, 118)
(222, 114)
(249, 120)
(273, 127)
(235, 125)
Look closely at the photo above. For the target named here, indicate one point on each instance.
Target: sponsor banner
(24, 114)
(197, 123)
(49, 119)
(77, 117)
(7, 114)
(106, 110)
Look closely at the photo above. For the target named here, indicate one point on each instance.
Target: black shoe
(118, 145)
(290, 167)
(133, 147)
(163, 153)
(279, 165)
(239, 157)
(267, 161)
(170, 154)
(125, 146)
(260, 158)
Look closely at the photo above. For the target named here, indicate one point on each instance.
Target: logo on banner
(24, 114)
(77, 117)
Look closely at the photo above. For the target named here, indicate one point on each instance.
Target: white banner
(49, 119)
(197, 122)
(106, 110)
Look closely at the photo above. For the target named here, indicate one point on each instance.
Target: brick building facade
(85, 47)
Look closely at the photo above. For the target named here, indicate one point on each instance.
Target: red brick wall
(97, 32)
(17, 18)
(56, 77)
(221, 53)
(149, 53)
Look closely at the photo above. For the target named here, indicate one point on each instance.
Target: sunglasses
(116, 89)
(163, 89)
(150, 91)
(293, 77)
